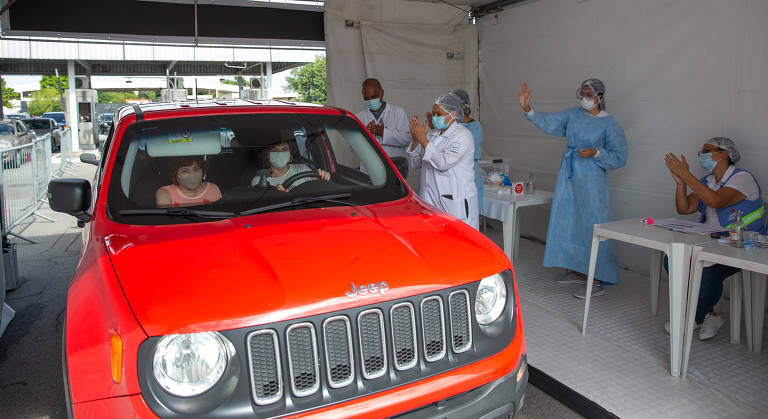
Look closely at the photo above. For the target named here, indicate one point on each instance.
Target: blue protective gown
(477, 134)
(582, 194)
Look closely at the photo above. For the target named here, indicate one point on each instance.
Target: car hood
(270, 267)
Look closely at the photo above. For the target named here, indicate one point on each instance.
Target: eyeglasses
(711, 150)
(590, 95)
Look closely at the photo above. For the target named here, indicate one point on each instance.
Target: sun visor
(161, 143)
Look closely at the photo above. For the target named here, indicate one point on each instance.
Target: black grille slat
(338, 351)
(302, 354)
(433, 327)
(265, 368)
(403, 336)
(292, 355)
(461, 332)
(372, 348)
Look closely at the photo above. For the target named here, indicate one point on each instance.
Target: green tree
(8, 94)
(234, 82)
(309, 81)
(116, 97)
(45, 100)
(49, 82)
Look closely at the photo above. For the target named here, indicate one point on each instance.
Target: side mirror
(401, 164)
(71, 196)
(89, 158)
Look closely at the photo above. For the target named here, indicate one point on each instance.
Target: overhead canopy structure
(155, 37)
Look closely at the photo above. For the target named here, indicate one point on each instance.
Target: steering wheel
(301, 175)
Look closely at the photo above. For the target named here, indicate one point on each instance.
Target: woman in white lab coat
(445, 155)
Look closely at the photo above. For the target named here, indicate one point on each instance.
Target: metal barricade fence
(65, 153)
(24, 174)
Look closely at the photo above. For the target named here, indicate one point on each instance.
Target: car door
(25, 135)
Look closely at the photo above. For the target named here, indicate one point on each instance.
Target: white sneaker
(710, 326)
(666, 326)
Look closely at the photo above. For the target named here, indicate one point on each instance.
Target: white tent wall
(677, 72)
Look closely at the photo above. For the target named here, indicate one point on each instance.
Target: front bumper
(500, 398)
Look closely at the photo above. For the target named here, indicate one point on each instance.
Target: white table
(677, 246)
(504, 208)
(749, 261)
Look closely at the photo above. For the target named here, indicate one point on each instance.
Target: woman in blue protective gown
(595, 144)
(477, 134)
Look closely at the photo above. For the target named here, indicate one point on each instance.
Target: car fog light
(189, 364)
(491, 299)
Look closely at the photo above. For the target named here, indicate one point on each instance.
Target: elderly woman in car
(281, 168)
(187, 186)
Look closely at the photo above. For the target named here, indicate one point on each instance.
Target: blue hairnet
(451, 104)
(726, 144)
(464, 97)
(598, 87)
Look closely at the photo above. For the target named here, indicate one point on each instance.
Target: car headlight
(490, 299)
(187, 365)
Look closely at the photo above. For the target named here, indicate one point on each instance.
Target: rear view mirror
(71, 196)
(89, 158)
(401, 164)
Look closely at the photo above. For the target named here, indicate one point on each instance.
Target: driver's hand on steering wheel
(324, 175)
(281, 188)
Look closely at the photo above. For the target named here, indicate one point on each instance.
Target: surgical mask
(705, 159)
(279, 159)
(438, 121)
(588, 104)
(191, 181)
(373, 104)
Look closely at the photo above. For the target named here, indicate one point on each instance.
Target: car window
(6, 129)
(246, 164)
(37, 123)
(22, 129)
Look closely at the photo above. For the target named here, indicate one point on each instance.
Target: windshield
(37, 123)
(58, 117)
(201, 168)
(107, 117)
(6, 129)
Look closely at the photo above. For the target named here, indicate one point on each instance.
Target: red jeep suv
(267, 259)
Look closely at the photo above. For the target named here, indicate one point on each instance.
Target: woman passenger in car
(279, 160)
(187, 186)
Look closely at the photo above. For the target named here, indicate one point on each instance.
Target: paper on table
(686, 226)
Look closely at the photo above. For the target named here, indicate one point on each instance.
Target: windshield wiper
(179, 212)
(296, 202)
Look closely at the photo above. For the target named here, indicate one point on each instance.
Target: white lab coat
(448, 172)
(397, 133)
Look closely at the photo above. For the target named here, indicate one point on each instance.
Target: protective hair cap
(726, 144)
(451, 104)
(464, 97)
(598, 87)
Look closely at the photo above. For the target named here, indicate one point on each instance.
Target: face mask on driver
(191, 181)
(279, 159)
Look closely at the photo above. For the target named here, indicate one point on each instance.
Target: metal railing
(24, 173)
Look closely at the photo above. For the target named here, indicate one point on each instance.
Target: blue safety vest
(753, 212)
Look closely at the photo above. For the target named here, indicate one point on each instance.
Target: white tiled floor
(622, 363)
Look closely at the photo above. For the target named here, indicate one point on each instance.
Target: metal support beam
(74, 117)
(493, 7)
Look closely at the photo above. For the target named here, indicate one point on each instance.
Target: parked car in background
(338, 294)
(14, 134)
(16, 116)
(42, 126)
(59, 117)
(105, 122)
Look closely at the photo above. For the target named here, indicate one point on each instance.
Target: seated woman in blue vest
(716, 196)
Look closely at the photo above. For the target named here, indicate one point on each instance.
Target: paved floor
(30, 357)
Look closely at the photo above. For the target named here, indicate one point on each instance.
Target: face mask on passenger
(279, 159)
(191, 180)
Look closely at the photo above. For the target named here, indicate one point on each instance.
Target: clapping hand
(677, 167)
(524, 95)
(418, 131)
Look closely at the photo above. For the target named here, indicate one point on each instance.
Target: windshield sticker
(179, 137)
